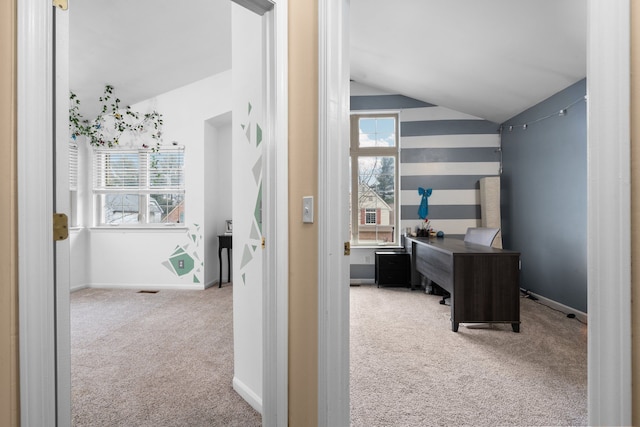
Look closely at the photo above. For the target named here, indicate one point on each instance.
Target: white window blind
(73, 167)
(145, 171)
(138, 187)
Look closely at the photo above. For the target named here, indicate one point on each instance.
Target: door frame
(36, 269)
(275, 293)
(608, 218)
(333, 213)
(36, 296)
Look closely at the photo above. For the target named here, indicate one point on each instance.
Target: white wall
(247, 180)
(211, 192)
(79, 262)
(223, 175)
(79, 237)
(217, 187)
(139, 257)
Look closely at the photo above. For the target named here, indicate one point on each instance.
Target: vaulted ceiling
(490, 58)
(145, 47)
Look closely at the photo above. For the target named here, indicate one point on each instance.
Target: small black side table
(393, 269)
(224, 241)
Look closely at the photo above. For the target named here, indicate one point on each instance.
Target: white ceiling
(491, 58)
(145, 47)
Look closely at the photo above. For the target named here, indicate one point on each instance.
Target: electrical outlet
(180, 263)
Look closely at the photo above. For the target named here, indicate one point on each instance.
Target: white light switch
(307, 209)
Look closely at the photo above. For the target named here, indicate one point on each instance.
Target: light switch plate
(307, 209)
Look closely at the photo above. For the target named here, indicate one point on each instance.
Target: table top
(225, 240)
(458, 246)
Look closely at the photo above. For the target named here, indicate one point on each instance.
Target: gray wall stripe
(441, 182)
(424, 155)
(362, 271)
(448, 127)
(386, 102)
(442, 212)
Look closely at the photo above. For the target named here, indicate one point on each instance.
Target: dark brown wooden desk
(484, 282)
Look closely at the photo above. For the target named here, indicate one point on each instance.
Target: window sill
(379, 247)
(137, 228)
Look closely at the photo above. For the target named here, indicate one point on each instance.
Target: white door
(260, 206)
(248, 126)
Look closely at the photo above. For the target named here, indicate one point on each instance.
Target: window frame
(355, 152)
(144, 188)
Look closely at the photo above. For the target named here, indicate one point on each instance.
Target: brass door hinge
(264, 243)
(347, 248)
(60, 227)
(61, 4)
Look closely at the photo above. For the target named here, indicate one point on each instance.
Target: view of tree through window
(374, 155)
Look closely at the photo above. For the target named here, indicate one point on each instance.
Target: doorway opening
(43, 400)
(603, 78)
(128, 253)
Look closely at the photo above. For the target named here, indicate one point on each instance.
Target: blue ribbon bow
(423, 210)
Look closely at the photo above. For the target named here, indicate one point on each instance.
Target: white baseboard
(78, 288)
(362, 281)
(211, 284)
(247, 394)
(581, 316)
(141, 286)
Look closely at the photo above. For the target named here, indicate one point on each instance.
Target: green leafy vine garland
(102, 134)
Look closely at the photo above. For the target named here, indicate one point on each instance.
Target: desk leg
(515, 326)
(228, 264)
(454, 326)
(220, 265)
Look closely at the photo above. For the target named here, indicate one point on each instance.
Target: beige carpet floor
(165, 359)
(154, 359)
(409, 369)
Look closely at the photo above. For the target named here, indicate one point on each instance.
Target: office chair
(481, 235)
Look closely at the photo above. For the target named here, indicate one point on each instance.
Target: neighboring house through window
(374, 173)
(139, 187)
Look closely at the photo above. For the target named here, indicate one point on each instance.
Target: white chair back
(481, 235)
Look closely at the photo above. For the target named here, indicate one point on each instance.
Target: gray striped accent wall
(441, 149)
